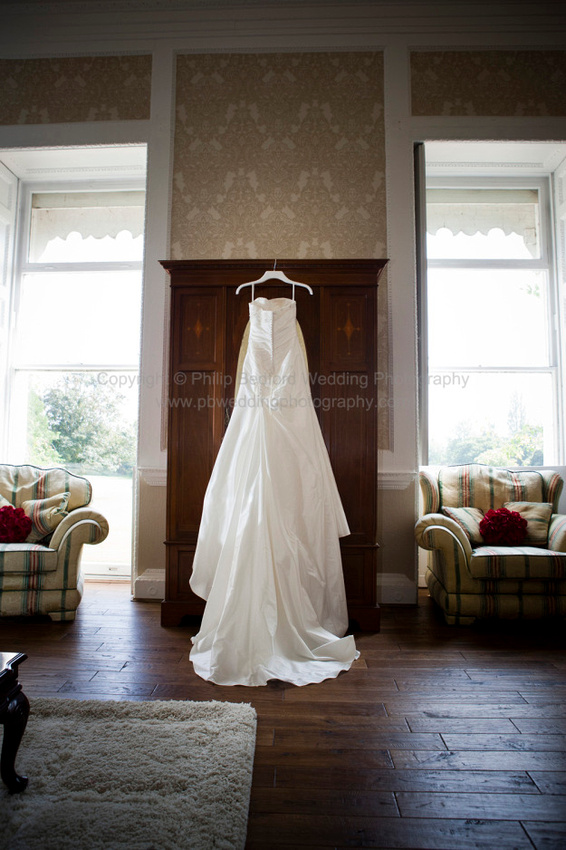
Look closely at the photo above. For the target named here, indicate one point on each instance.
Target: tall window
(73, 376)
(493, 382)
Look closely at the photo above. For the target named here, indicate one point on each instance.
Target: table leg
(14, 716)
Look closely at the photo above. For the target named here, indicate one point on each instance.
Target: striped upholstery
(469, 521)
(522, 562)
(45, 514)
(470, 580)
(21, 483)
(557, 533)
(486, 487)
(464, 609)
(538, 516)
(45, 577)
(430, 492)
(26, 558)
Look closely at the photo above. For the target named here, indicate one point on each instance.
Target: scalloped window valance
(515, 212)
(106, 225)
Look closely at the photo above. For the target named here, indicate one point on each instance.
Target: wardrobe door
(194, 431)
(349, 425)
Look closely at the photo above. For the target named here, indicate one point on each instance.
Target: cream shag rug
(132, 776)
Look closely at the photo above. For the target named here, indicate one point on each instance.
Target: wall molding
(157, 477)
(152, 476)
(74, 134)
(76, 27)
(395, 480)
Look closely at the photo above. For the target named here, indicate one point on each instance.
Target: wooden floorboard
(438, 737)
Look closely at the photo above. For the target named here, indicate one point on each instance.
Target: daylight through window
(492, 355)
(74, 376)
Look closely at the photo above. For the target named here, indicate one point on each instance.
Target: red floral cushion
(503, 527)
(14, 524)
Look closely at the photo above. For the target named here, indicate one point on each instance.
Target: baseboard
(150, 585)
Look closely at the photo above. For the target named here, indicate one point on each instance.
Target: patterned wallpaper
(510, 82)
(94, 88)
(281, 155)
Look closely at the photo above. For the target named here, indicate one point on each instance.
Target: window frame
(546, 262)
(22, 267)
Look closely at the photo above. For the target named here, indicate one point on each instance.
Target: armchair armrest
(451, 553)
(430, 492)
(437, 531)
(557, 533)
(85, 523)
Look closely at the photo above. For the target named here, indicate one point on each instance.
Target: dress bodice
(273, 333)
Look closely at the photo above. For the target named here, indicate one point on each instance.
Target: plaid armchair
(470, 579)
(42, 575)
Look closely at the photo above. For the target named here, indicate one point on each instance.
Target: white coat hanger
(274, 275)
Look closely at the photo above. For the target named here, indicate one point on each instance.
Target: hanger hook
(274, 264)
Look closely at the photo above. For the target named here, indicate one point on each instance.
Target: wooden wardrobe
(339, 325)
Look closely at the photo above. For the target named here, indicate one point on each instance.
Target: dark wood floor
(439, 737)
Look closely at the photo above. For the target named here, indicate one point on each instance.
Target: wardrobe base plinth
(172, 613)
(365, 619)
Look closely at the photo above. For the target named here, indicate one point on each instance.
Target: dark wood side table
(14, 710)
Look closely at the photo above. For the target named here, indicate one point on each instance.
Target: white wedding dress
(268, 555)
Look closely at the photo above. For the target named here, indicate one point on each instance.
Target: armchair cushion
(27, 559)
(23, 483)
(517, 562)
(537, 515)
(45, 515)
(469, 521)
(486, 487)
